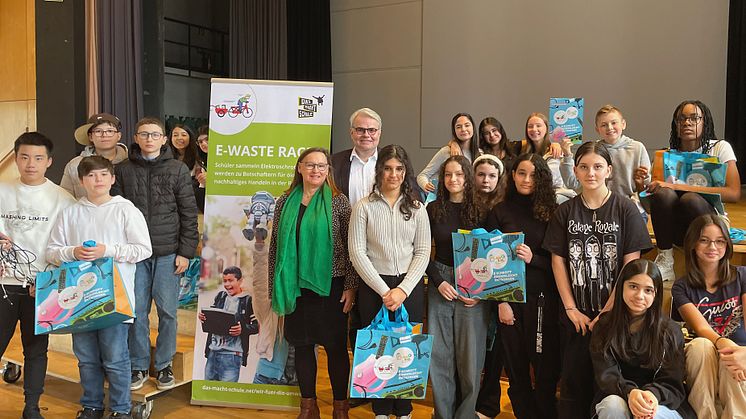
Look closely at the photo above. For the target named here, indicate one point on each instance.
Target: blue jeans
(615, 407)
(102, 353)
(155, 280)
(223, 366)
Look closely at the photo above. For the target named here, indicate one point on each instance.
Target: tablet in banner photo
(566, 119)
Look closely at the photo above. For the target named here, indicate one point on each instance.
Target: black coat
(162, 190)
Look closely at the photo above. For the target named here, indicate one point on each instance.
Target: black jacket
(244, 315)
(619, 377)
(162, 190)
(341, 170)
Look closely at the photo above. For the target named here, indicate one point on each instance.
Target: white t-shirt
(720, 149)
(27, 215)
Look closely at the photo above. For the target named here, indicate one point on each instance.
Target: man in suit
(355, 168)
(354, 173)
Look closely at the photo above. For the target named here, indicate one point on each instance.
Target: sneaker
(382, 417)
(482, 416)
(664, 261)
(31, 412)
(88, 413)
(139, 377)
(118, 415)
(165, 379)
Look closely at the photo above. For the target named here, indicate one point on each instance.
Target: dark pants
(19, 305)
(577, 386)
(488, 401)
(672, 212)
(531, 400)
(370, 303)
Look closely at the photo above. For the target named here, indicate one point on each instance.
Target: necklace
(585, 203)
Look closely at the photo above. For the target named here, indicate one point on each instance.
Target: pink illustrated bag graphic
(392, 358)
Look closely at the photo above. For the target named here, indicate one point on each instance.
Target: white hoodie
(117, 224)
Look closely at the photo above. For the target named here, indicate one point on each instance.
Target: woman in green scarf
(311, 280)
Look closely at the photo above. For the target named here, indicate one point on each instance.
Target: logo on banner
(307, 107)
(235, 112)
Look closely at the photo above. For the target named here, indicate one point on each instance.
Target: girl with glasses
(674, 206)
(710, 299)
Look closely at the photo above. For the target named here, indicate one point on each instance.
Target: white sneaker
(664, 261)
(382, 417)
(481, 416)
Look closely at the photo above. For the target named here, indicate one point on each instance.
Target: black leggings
(672, 212)
(338, 365)
(18, 305)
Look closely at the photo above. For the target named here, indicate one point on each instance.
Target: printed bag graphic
(487, 266)
(392, 359)
(690, 168)
(81, 296)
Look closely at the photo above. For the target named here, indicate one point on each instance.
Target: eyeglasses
(361, 130)
(719, 243)
(321, 167)
(683, 119)
(104, 132)
(143, 135)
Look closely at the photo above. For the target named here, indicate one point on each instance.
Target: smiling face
(232, 285)
(711, 246)
(592, 170)
(179, 138)
(690, 123)
(393, 175)
(463, 128)
(638, 294)
(536, 129)
(454, 179)
(365, 142)
(491, 135)
(33, 162)
(486, 176)
(610, 126)
(202, 142)
(97, 183)
(523, 176)
(313, 169)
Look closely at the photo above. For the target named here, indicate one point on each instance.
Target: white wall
(419, 62)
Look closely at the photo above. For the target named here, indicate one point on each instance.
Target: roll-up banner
(258, 129)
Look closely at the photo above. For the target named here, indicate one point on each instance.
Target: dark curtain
(735, 96)
(119, 28)
(258, 39)
(309, 40)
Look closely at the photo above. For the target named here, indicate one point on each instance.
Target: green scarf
(307, 264)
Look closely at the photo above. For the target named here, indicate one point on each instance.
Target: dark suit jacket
(341, 170)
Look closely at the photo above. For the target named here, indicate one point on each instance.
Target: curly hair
(708, 126)
(469, 215)
(410, 201)
(502, 149)
(543, 197)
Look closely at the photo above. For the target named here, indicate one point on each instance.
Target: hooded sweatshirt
(626, 156)
(70, 180)
(117, 224)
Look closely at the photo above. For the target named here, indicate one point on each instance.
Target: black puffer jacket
(162, 190)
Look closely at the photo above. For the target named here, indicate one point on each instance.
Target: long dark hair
(612, 336)
(543, 198)
(474, 143)
(468, 216)
(708, 126)
(202, 130)
(695, 278)
(190, 152)
(298, 178)
(593, 147)
(485, 201)
(502, 146)
(409, 201)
